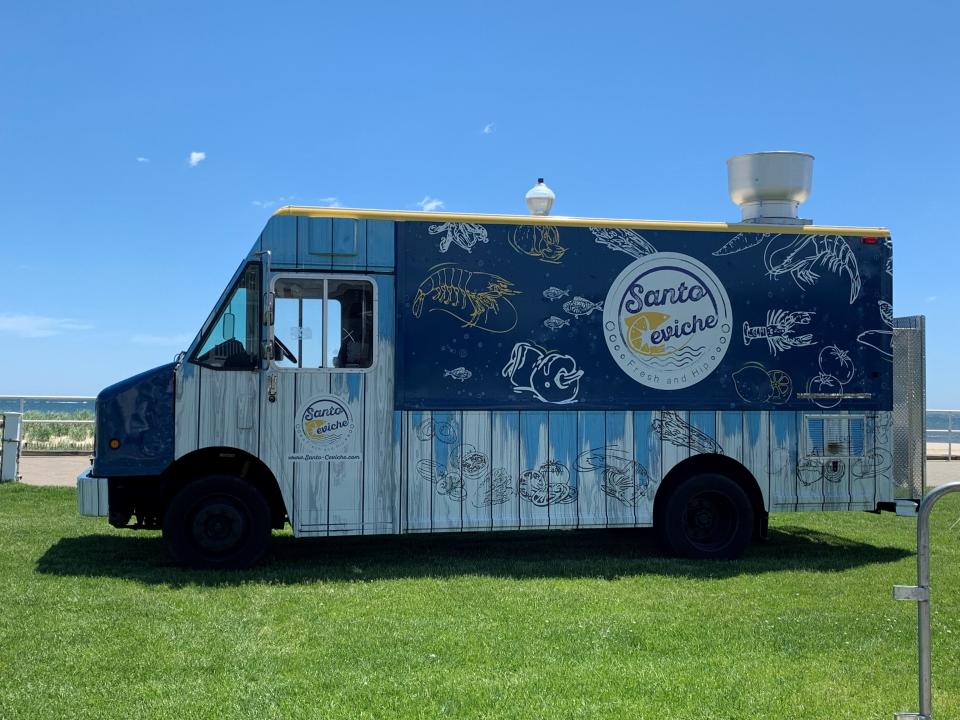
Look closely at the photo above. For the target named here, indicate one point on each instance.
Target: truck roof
(481, 218)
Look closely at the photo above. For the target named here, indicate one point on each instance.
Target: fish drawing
(624, 240)
(778, 332)
(477, 299)
(581, 307)
(674, 429)
(880, 340)
(549, 376)
(460, 373)
(538, 241)
(798, 258)
(465, 235)
(555, 323)
(555, 293)
(549, 484)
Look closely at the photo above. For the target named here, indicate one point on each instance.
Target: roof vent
(769, 186)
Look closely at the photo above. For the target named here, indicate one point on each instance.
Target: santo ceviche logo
(667, 321)
(324, 427)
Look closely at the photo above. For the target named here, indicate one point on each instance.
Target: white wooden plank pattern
(476, 470)
(730, 433)
(448, 490)
(346, 497)
(311, 486)
(836, 486)
(276, 436)
(674, 438)
(810, 480)
(505, 461)
(619, 454)
(419, 479)
(783, 460)
(228, 402)
(562, 445)
(186, 409)
(647, 454)
(863, 471)
(756, 449)
(535, 473)
(591, 461)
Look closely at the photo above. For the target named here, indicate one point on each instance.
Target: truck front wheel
(707, 516)
(217, 521)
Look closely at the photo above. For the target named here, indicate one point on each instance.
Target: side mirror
(268, 314)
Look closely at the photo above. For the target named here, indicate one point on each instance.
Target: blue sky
(115, 245)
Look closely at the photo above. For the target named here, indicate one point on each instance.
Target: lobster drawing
(477, 299)
(778, 332)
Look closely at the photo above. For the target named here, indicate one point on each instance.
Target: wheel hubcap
(710, 521)
(218, 526)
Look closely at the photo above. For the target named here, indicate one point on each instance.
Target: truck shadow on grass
(600, 554)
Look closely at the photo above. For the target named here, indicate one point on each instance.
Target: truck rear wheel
(217, 521)
(708, 517)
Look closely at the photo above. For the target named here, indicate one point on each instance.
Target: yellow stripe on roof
(480, 218)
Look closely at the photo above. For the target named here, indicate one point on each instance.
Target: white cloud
(488, 129)
(37, 326)
(197, 157)
(430, 204)
(282, 200)
(931, 298)
(142, 159)
(178, 341)
(331, 202)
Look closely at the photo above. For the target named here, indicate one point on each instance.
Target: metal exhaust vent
(769, 186)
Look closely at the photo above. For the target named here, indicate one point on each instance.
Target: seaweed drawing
(798, 256)
(779, 330)
(477, 299)
(674, 429)
(549, 484)
(538, 241)
(877, 461)
(623, 478)
(495, 490)
(755, 384)
(547, 375)
(880, 340)
(464, 235)
(443, 430)
(623, 239)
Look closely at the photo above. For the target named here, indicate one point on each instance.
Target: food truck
(379, 372)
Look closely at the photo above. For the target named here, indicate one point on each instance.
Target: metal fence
(40, 413)
(942, 425)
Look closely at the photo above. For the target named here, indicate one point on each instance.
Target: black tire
(217, 521)
(706, 517)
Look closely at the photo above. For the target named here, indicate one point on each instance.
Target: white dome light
(540, 198)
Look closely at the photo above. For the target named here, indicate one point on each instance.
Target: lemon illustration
(638, 326)
(313, 428)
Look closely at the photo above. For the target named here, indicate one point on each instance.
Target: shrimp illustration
(474, 298)
(778, 332)
(798, 258)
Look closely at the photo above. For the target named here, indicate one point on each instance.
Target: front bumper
(92, 495)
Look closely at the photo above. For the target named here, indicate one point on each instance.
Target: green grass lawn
(96, 623)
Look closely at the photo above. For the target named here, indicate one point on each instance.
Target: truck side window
(233, 340)
(324, 323)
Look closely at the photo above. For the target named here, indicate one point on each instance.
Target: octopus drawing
(477, 299)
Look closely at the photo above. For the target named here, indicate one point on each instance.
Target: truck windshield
(233, 341)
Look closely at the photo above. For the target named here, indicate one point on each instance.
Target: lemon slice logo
(314, 429)
(638, 331)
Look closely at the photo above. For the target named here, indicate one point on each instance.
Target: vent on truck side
(835, 436)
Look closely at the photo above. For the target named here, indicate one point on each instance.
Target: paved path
(63, 469)
(57, 469)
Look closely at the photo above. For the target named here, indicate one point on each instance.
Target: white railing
(22, 406)
(935, 435)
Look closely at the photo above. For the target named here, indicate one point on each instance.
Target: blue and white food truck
(376, 372)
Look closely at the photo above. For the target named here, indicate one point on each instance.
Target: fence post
(9, 460)
(949, 436)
